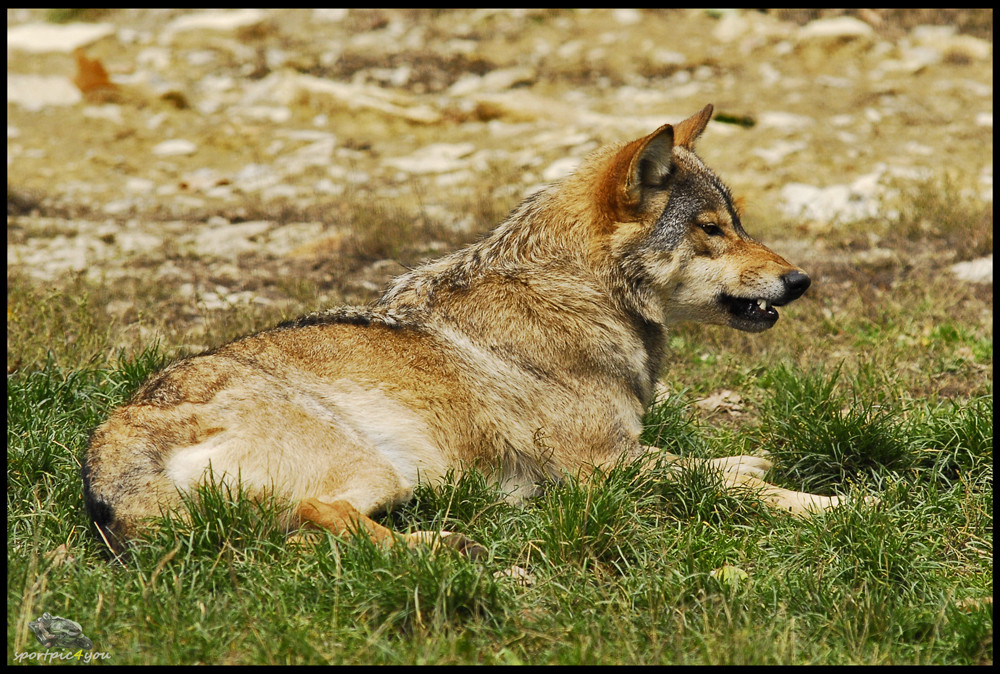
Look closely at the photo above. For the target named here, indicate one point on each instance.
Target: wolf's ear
(650, 164)
(687, 132)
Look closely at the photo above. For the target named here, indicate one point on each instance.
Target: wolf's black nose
(796, 283)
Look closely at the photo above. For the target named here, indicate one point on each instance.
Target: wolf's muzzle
(755, 314)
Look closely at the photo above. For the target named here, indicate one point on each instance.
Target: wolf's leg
(340, 517)
(745, 473)
(754, 466)
(794, 502)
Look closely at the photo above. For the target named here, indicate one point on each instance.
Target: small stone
(975, 271)
(434, 158)
(560, 168)
(221, 21)
(175, 147)
(34, 92)
(841, 27)
(39, 38)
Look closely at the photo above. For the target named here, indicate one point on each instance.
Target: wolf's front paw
(754, 466)
(451, 539)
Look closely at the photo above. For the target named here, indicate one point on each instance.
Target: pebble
(841, 27)
(560, 168)
(495, 80)
(778, 151)
(975, 271)
(52, 37)
(220, 21)
(174, 147)
(831, 204)
(626, 16)
(35, 92)
(229, 240)
(434, 158)
(945, 41)
(786, 121)
(316, 153)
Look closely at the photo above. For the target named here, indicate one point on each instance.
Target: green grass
(623, 566)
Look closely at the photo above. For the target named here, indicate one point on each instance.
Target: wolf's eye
(712, 229)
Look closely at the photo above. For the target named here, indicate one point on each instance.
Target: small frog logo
(61, 632)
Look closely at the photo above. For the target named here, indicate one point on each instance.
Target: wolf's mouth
(752, 315)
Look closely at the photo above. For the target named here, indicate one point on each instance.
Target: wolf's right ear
(642, 165)
(650, 165)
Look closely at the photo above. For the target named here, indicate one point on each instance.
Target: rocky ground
(192, 161)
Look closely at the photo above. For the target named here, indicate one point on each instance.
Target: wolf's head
(670, 226)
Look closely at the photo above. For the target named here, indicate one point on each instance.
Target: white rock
(454, 178)
(317, 153)
(155, 58)
(930, 34)
(731, 26)
(912, 60)
(495, 80)
(51, 37)
(914, 147)
(839, 28)
(666, 57)
(280, 191)
(268, 113)
(230, 240)
(626, 16)
(434, 158)
(327, 186)
(330, 15)
(50, 258)
(943, 39)
(223, 21)
(769, 75)
(560, 168)
(34, 92)
(975, 271)
(986, 178)
(139, 185)
(109, 113)
(973, 47)
(289, 88)
(138, 242)
(835, 82)
(685, 90)
(835, 203)
(778, 151)
(783, 120)
(175, 147)
(201, 179)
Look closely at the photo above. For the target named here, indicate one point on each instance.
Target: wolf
(530, 354)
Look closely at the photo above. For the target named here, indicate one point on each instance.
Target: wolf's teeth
(762, 303)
